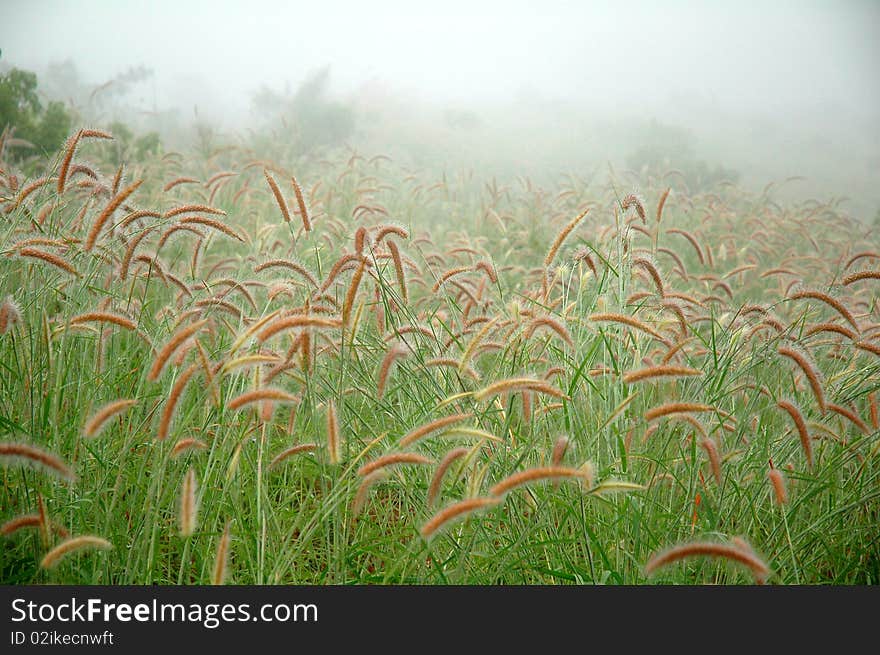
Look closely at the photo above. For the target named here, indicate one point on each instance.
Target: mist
(767, 90)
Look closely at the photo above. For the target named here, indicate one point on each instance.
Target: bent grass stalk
(63, 170)
(393, 459)
(188, 504)
(398, 269)
(474, 342)
(554, 325)
(454, 511)
(828, 300)
(538, 473)
(194, 209)
(810, 371)
(260, 395)
(801, 425)
(333, 437)
(440, 472)
(50, 258)
(432, 426)
(222, 557)
(286, 263)
(279, 197)
(301, 203)
(394, 353)
(289, 452)
(291, 322)
(851, 416)
(173, 401)
(861, 275)
(676, 408)
(213, 224)
(734, 552)
(111, 207)
(562, 236)
(17, 523)
(626, 320)
(363, 490)
(186, 445)
(665, 370)
(777, 481)
(25, 453)
(518, 384)
(104, 317)
(99, 419)
(175, 342)
(59, 552)
(714, 459)
(560, 447)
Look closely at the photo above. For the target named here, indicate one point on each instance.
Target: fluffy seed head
(734, 552)
(188, 504)
(70, 545)
(33, 456)
(100, 418)
(10, 315)
(461, 508)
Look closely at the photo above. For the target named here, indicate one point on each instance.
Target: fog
(768, 89)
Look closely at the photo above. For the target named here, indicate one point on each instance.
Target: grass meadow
(216, 368)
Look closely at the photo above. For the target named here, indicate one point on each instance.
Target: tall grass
(223, 394)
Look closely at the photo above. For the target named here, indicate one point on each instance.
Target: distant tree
(322, 121)
(62, 79)
(126, 146)
(147, 144)
(96, 103)
(207, 139)
(52, 129)
(462, 119)
(662, 148)
(309, 117)
(20, 108)
(18, 101)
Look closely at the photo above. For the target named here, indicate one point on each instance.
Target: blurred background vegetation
(538, 138)
(38, 128)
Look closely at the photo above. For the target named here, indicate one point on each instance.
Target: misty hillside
(722, 91)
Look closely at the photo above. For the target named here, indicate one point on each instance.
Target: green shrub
(20, 108)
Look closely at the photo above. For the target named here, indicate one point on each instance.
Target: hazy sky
(758, 57)
(771, 88)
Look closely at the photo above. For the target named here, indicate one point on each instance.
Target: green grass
(293, 524)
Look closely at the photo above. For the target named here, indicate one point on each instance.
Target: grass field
(221, 368)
